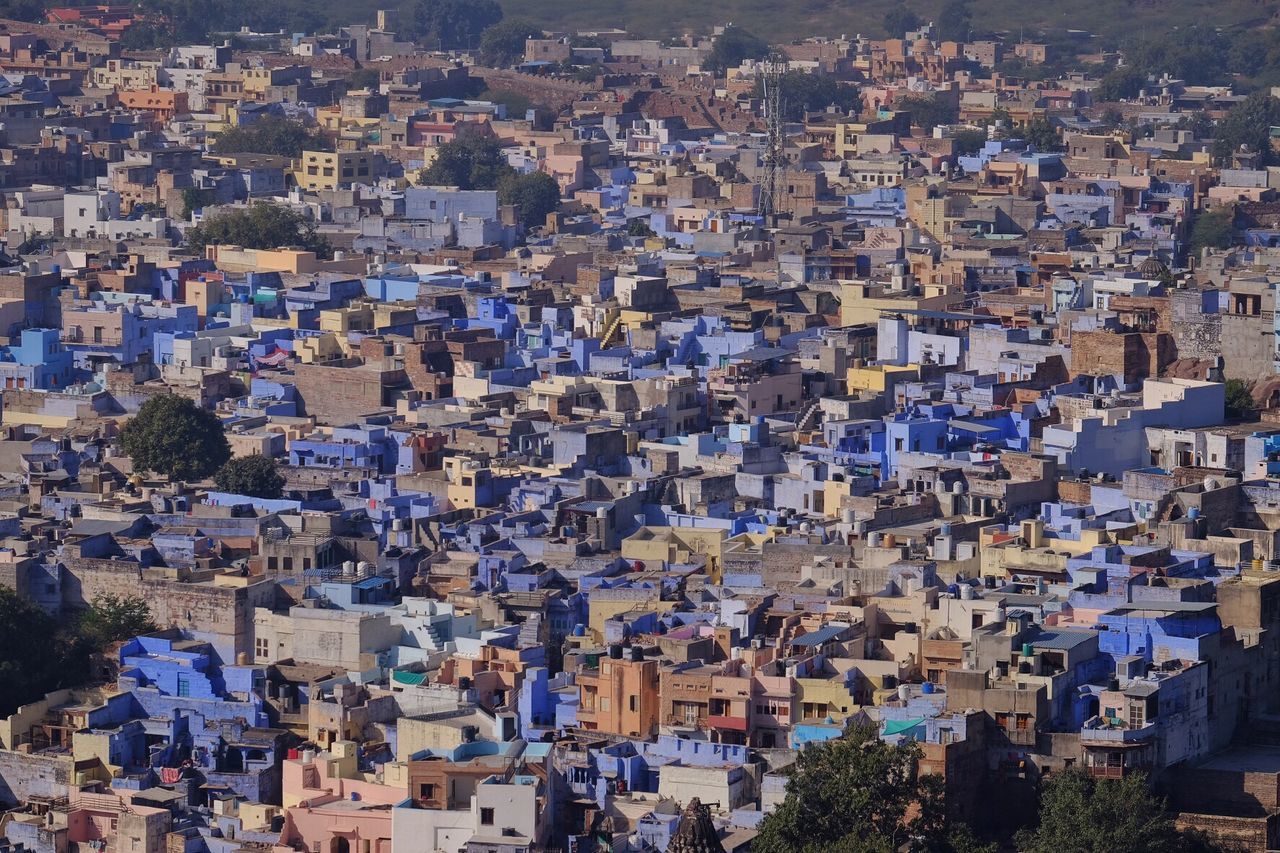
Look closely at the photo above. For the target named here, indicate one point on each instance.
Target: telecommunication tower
(774, 163)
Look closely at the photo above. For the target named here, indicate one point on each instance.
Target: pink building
(332, 807)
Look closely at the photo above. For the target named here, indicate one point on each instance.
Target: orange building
(163, 104)
(618, 694)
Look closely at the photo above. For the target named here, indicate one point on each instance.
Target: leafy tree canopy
(455, 24)
(1087, 815)
(365, 78)
(803, 92)
(502, 44)
(954, 21)
(970, 140)
(260, 226)
(256, 476)
(534, 196)
(1042, 135)
(731, 47)
(111, 618)
(857, 793)
(269, 135)
(1120, 83)
(899, 21)
(468, 164)
(1239, 398)
(34, 657)
(1212, 230)
(173, 436)
(1248, 123)
(928, 111)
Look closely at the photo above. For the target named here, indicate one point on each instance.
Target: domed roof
(1152, 268)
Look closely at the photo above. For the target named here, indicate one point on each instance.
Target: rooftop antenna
(774, 159)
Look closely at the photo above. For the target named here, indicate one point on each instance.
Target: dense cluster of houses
(592, 524)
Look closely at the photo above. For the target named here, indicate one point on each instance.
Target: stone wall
(23, 776)
(222, 615)
(1195, 334)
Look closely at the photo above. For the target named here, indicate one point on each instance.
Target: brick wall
(1134, 355)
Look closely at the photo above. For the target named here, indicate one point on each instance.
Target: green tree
(35, 657)
(899, 21)
(468, 164)
(954, 21)
(928, 111)
(264, 225)
(731, 47)
(639, 227)
(1239, 398)
(111, 618)
(1248, 123)
(195, 198)
(1197, 54)
(804, 92)
(257, 476)
(269, 135)
(534, 196)
(1212, 230)
(856, 793)
(502, 44)
(1086, 815)
(1042, 135)
(1120, 83)
(365, 78)
(455, 24)
(517, 104)
(588, 73)
(970, 140)
(25, 10)
(173, 436)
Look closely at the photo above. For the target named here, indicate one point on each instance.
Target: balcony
(733, 724)
(1101, 734)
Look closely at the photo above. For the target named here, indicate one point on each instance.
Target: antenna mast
(774, 163)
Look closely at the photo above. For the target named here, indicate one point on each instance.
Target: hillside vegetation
(790, 19)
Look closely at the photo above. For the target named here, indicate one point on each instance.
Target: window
(604, 703)
(262, 647)
(486, 817)
(184, 687)
(635, 703)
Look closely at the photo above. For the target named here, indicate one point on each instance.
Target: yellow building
(863, 302)
(880, 377)
(660, 546)
(328, 170)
